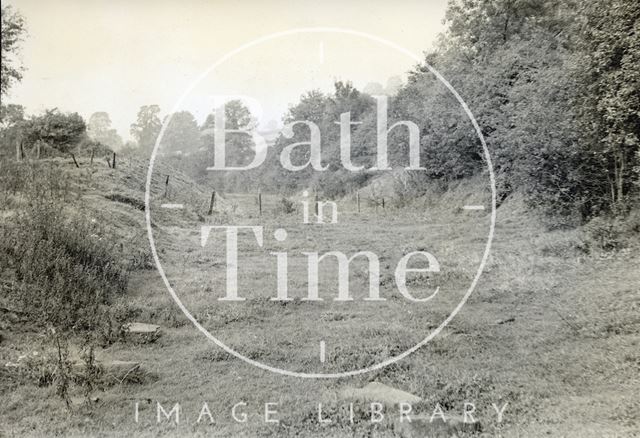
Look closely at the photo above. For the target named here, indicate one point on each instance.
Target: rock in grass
(379, 392)
(141, 328)
(141, 332)
(422, 426)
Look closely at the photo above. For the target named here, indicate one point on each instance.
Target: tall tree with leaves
(99, 129)
(610, 41)
(311, 108)
(55, 129)
(239, 146)
(13, 31)
(182, 134)
(147, 127)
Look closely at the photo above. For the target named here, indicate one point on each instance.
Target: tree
(182, 134)
(147, 127)
(61, 131)
(99, 129)
(345, 98)
(11, 121)
(610, 102)
(13, 31)
(311, 108)
(324, 111)
(239, 146)
(11, 115)
(476, 27)
(513, 62)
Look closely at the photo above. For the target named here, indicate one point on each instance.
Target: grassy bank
(551, 329)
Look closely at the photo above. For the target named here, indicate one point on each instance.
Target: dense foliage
(61, 131)
(147, 127)
(554, 86)
(13, 30)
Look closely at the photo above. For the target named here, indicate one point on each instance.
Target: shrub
(66, 274)
(59, 130)
(604, 233)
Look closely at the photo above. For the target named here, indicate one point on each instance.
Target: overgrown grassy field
(552, 328)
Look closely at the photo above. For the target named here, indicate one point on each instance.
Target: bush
(66, 273)
(59, 130)
(604, 233)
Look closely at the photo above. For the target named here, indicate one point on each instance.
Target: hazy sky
(116, 55)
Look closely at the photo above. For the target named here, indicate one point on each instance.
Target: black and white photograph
(296, 218)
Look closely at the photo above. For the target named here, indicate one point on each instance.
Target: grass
(550, 329)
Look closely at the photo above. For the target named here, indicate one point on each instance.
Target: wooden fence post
(74, 160)
(212, 202)
(383, 203)
(91, 161)
(260, 202)
(166, 186)
(358, 200)
(113, 166)
(316, 202)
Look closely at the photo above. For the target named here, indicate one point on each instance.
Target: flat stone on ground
(141, 328)
(379, 392)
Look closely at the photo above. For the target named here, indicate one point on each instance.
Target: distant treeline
(554, 86)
